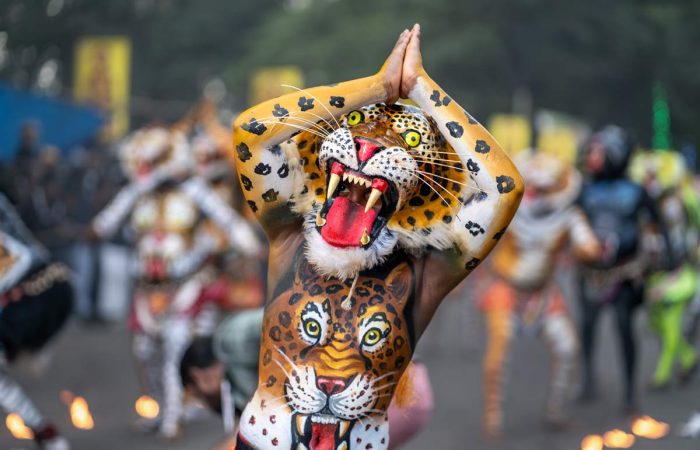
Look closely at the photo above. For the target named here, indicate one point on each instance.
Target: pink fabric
(404, 423)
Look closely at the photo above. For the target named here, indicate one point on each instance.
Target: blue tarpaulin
(62, 124)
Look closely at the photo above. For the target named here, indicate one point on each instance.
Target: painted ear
(400, 281)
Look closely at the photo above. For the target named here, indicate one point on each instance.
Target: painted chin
(357, 207)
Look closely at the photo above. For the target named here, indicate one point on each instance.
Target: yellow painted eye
(412, 138)
(312, 328)
(355, 117)
(372, 336)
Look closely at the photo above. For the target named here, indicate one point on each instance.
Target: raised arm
(497, 183)
(268, 168)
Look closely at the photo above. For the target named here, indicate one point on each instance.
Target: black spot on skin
(314, 176)
(362, 291)
(447, 219)
(288, 336)
(471, 264)
(399, 362)
(398, 342)
(283, 171)
(474, 228)
(275, 149)
(379, 289)
(500, 234)
(337, 101)
(470, 119)
(315, 289)
(275, 333)
(253, 206)
(429, 214)
(306, 103)
(246, 183)
(280, 111)
(435, 96)
(333, 288)
(455, 129)
(473, 166)
(319, 191)
(446, 101)
(263, 169)
(243, 152)
(416, 201)
(505, 184)
(375, 300)
(271, 380)
(305, 190)
(302, 144)
(285, 319)
(254, 127)
(482, 147)
(411, 220)
(270, 195)
(295, 298)
(267, 357)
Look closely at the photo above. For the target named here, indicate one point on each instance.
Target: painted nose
(366, 148)
(330, 386)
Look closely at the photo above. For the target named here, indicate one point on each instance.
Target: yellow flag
(102, 79)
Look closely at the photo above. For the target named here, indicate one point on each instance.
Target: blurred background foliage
(596, 60)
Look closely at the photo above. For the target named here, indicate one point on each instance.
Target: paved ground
(95, 363)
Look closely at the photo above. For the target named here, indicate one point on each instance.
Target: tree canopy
(597, 60)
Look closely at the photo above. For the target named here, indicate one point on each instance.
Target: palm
(412, 63)
(393, 67)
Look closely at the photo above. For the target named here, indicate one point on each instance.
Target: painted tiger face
(550, 183)
(385, 176)
(154, 148)
(328, 371)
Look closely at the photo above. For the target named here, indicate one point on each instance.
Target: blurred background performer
(669, 292)
(522, 296)
(36, 298)
(173, 246)
(615, 207)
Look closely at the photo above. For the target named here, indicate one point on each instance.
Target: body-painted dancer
(36, 298)
(669, 292)
(374, 212)
(523, 296)
(615, 206)
(167, 212)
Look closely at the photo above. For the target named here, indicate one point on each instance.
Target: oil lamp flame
(618, 439)
(17, 428)
(650, 428)
(147, 407)
(592, 442)
(80, 414)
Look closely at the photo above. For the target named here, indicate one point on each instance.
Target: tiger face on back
(327, 369)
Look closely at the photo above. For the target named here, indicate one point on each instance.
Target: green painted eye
(355, 117)
(412, 138)
(312, 328)
(373, 336)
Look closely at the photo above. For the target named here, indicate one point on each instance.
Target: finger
(405, 34)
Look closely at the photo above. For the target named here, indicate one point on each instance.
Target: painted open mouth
(357, 207)
(321, 432)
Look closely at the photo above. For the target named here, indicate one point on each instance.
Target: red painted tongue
(345, 223)
(323, 436)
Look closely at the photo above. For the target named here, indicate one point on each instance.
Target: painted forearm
(107, 222)
(495, 184)
(270, 174)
